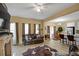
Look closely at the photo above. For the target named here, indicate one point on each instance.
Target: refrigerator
(70, 30)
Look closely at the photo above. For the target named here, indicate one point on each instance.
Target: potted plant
(60, 29)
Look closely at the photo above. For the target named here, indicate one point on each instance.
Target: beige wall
(21, 20)
(63, 24)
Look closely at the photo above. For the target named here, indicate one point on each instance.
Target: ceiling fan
(39, 6)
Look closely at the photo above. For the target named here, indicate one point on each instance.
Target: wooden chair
(71, 39)
(63, 39)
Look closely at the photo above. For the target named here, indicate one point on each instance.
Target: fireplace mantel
(6, 45)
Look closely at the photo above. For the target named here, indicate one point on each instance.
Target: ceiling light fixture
(38, 7)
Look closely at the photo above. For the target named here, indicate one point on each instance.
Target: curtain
(39, 29)
(17, 37)
(29, 28)
(34, 28)
(23, 29)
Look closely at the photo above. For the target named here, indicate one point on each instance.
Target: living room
(35, 26)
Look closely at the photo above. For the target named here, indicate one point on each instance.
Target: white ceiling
(69, 17)
(26, 10)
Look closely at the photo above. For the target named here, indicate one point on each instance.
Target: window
(37, 28)
(13, 30)
(26, 28)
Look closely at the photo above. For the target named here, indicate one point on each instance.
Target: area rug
(40, 51)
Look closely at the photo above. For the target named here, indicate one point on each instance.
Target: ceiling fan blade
(45, 5)
(48, 3)
(29, 7)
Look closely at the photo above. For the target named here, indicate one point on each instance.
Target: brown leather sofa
(32, 39)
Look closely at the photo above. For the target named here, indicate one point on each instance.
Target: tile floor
(62, 48)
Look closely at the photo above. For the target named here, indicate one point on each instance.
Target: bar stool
(63, 39)
(71, 39)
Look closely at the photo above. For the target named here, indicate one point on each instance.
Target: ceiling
(26, 10)
(69, 17)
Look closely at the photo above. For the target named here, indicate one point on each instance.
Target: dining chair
(63, 39)
(71, 39)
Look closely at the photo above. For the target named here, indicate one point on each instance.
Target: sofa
(32, 39)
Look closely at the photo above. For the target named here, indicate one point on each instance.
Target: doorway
(13, 30)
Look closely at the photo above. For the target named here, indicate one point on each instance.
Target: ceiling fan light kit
(38, 7)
